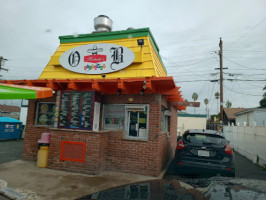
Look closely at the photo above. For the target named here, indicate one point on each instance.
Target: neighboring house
(229, 117)
(10, 111)
(190, 121)
(251, 117)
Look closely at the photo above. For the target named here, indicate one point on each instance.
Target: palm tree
(264, 94)
(228, 104)
(263, 100)
(206, 101)
(195, 97)
(217, 96)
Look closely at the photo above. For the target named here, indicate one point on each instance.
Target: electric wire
(242, 93)
(239, 64)
(249, 31)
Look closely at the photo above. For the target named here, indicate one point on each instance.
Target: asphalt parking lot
(10, 150)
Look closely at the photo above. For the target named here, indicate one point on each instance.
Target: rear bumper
(188, 167)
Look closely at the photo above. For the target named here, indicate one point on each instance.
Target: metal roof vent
(102, 23)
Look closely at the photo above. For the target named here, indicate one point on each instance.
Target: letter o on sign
(74, 59)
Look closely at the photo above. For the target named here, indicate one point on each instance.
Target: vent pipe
(102, 23)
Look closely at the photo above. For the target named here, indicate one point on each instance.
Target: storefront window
(45, 113)
(131, 118)
(114, 117)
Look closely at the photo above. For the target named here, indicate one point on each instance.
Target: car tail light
(228, 149)
(180, 145)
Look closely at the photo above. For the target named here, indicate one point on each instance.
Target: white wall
(252, 118)
(260, 118)
(245, 119)
(184, 123)
(23, 118)
(248, 141)
(23, 115)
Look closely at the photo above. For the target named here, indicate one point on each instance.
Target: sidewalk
(42, 183)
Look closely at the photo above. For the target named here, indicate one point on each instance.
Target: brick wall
(167, 143)
(173, 132)
(32, 132)
(109, 150)
(95, 151)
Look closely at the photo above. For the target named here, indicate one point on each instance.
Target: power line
(238, 63)
(248, 31)
(258, 86)
(241, 51)
(204, 60)
(197, 81)
(193, 54)
(246, 69)
(242, 92)
(244, 80)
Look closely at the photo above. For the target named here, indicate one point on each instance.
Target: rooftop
(230, 112)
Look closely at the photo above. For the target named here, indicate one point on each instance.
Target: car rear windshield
(197, 138)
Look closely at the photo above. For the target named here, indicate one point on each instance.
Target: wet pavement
(246, 169)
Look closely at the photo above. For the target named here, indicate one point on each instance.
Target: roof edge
(103, 35)
(249, 110)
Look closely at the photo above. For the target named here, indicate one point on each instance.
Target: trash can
(43, 150)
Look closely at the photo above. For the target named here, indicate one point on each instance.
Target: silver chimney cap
(103, 23)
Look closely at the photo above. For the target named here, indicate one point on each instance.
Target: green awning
(11, 91)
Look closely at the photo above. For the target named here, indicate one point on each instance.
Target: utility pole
(2, 62)
(221, 79)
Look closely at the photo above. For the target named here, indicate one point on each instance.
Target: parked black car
(203, 152)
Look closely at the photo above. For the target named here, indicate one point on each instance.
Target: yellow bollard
(42, 159)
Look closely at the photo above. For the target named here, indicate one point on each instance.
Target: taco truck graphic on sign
(100, 58)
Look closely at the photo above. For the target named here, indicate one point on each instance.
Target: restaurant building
(107, 102)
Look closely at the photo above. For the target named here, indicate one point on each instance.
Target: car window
(195, 138)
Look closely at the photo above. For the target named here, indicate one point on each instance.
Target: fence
(248, 141)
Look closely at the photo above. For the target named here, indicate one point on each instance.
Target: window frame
(37, 114)
(125, 128)
(164, 121)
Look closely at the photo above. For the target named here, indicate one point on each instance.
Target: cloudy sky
(187, 32)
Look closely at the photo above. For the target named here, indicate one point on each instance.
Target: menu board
(64, 110)
(76, 110)
(45, 113)
(87, 110)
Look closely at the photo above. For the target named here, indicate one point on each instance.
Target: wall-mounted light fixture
(141, 42)
(118, 92)
(144, 85)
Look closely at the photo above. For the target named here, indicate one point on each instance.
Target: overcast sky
(187, 33)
